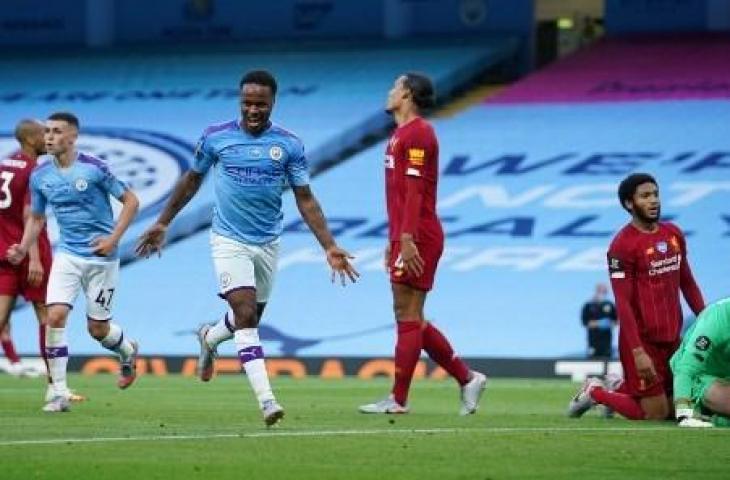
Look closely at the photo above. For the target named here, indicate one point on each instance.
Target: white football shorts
(238, 265)
(97, 278)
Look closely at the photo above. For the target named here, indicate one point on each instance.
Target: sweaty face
(645, 203)
(60, 137)
(396, 95)
(256, 104)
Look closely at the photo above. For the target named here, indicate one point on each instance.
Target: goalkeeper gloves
(685, 417)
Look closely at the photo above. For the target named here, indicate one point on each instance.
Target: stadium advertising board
(331, 368)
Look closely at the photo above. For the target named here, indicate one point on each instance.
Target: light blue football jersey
(250, 175)
(79, 198)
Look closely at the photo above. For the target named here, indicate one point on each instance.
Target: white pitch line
(334, 433)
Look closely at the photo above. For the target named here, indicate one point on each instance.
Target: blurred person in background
(598, 316)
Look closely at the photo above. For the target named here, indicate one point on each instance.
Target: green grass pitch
(178, 428)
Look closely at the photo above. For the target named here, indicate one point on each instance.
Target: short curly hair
(627, 187)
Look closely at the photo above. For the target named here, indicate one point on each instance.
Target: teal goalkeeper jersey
(705, 349)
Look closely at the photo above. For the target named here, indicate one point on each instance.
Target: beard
(646, 218)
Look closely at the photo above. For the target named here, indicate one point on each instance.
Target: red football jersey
(14, 196)
(411, 162)
(647, 272)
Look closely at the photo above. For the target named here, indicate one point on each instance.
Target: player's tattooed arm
(338, 259)
(153, 238)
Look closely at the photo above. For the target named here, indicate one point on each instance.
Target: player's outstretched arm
(153, 238)
(105, 245)
(33, 226)
(338, 259)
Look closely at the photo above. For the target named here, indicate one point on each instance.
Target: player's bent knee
(97, 329)
(656, 413)
(717, 398)
(57, 318)
(657, 416)
(655, 408)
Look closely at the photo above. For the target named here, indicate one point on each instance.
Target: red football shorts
(660, 354)
(14, 281)
(430, 253)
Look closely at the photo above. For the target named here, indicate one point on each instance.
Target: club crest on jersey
(225, 279)
(662, 247)
(198, 148)
(276, 153)
(703, 343)
(81, 185)
(675, 243)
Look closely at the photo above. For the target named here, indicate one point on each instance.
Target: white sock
(57, 354)
(221, 331)
(116, 342)
(251, 356)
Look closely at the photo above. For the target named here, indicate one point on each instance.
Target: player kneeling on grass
(77, 186)
(648, 266)
(701, 370)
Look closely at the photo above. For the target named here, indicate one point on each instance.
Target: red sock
(622, 403)
(407, 351)
(42, 343)
(9, 349)
(440, 351)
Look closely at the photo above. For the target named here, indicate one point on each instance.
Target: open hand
(412, 261)
(35, 273)
(645, 367)
(151, 241)
(339, 261)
